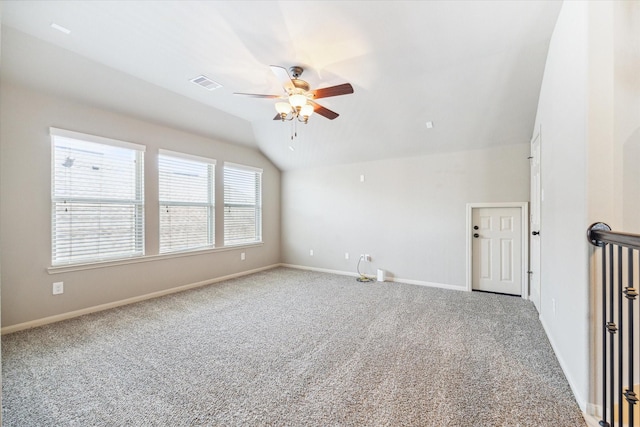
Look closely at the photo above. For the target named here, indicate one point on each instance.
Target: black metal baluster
(604, 422)
(620, 337)
(612, 330)
(631, 294)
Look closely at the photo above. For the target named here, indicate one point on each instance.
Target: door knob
(475, 227)
(476, 235)
(535, 233)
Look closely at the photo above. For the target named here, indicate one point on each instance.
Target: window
(187, 202)
(242, 204)
(97, 198)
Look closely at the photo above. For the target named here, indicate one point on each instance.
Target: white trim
(324, 270)
(146, 258)
(64, 316)
(94, 138)
(242, 167)
(593, 415)
(388, 279)
(591, 420)
(524, 215)
(185, 156)
(427, 284)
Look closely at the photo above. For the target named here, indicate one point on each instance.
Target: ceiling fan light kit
(300, 102)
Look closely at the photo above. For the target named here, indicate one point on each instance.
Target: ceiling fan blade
(326, 92)
(255, 95)
(283, 75)
(325, 112)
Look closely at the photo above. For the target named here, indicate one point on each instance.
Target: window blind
(242, 204)
(97, 198)
(187, 202)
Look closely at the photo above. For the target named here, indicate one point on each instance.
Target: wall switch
(310, 252)
(361, 178)
(346, 255)
(58, 288)
(242, 256)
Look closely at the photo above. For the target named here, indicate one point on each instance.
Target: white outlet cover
(242, 256)
(310, 252)
(58, 288)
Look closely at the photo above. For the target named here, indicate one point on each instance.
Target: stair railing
(620, 254)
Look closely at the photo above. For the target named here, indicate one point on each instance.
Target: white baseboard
(322, 270)
(582, 402)
(388, 279)
(593, 415)
(64, 316)
(429, 284)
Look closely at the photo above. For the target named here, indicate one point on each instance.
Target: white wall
(25, 221)
(409, 214)
(626, 51)
(562, 114)
(589, 113)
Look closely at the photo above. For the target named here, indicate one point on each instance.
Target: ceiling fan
(301, 99)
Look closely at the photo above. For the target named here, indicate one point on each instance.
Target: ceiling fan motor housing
(301, 85)
(296, 71)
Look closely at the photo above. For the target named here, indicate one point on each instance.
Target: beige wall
(409, 214)
(25, 222)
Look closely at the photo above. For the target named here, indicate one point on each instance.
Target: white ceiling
(473, 68)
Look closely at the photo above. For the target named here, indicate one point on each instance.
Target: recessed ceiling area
(472, 68)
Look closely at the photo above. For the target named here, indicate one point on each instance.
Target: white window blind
(97, 198)
(187, 202)
(242, 204)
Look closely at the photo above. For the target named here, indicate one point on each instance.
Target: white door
(534, 239)
(497, 250)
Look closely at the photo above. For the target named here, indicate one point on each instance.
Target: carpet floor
(288, 347)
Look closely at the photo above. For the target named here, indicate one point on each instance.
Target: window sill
(146, 258)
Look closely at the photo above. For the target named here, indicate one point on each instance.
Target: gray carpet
(291, 348)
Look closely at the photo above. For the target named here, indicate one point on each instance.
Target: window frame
(137, 202)
(210, 205)
(257, 206)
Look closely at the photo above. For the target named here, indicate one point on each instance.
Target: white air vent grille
(205, 82)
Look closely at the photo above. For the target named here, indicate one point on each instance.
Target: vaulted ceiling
(472, 68)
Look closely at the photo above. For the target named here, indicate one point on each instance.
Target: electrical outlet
(242, 256)
(346, 255)
(58, 288)
(310, 252)
(367, 257)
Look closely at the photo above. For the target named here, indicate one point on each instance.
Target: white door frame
(524, 214)
(536, 201)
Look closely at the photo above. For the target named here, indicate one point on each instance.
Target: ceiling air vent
(205, 82)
